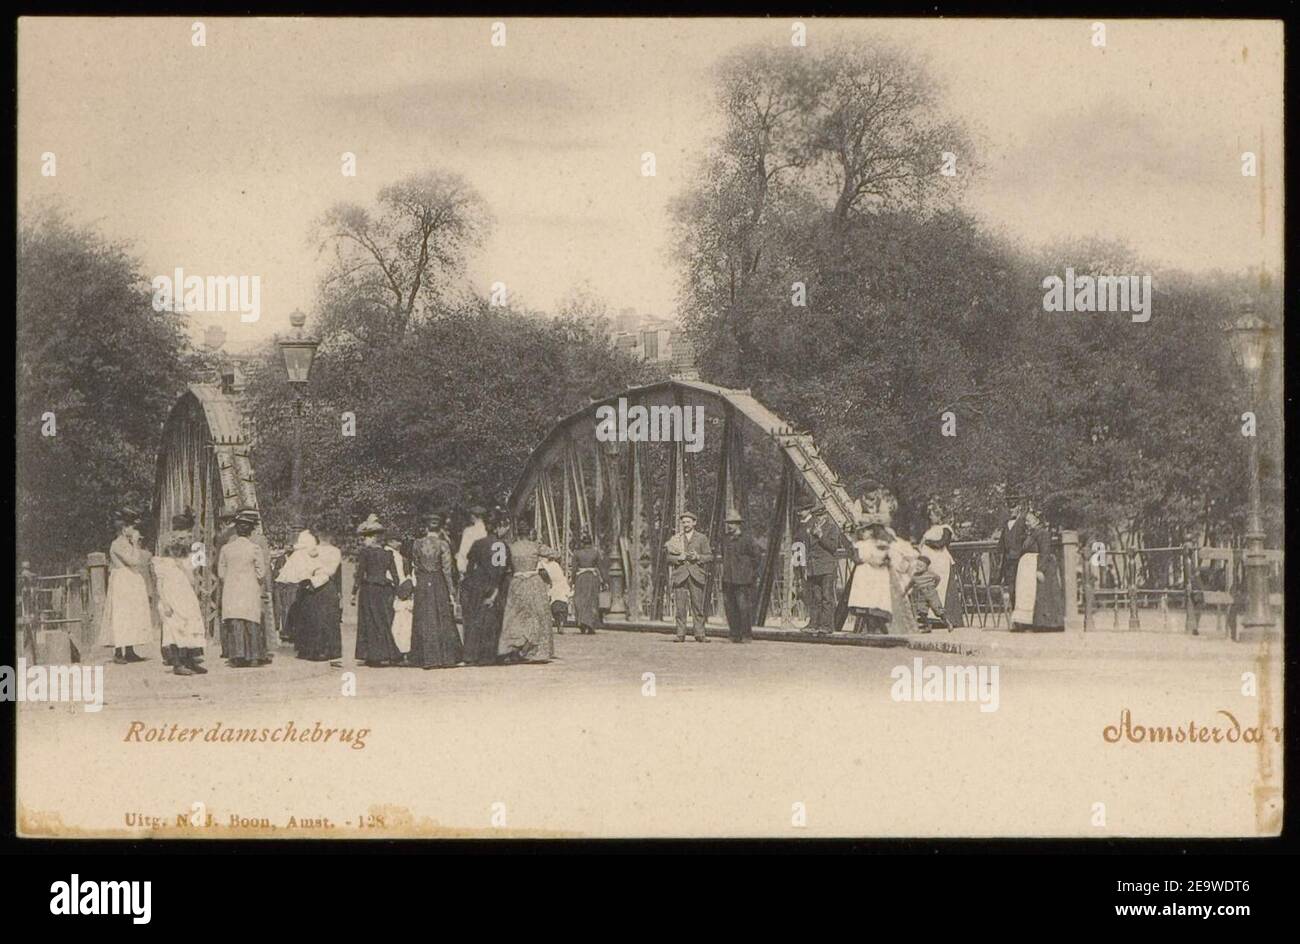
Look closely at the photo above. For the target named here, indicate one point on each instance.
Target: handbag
(603, 600)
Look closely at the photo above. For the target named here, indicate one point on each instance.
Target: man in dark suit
(1011, 541)
(820, 539)
(741, 557)
(689, 554)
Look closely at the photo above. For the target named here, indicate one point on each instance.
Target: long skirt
(945, 568)
(1049, 598)
(880, 605)
(1026, 590)
(184, 627)
(375, 625)
(526, 629)
(403, 616)
(434, 639)
(287, 597)
(482, 624)
(904, 613)
(317, 624)
(243, 639)
(283, 596)
(869, 588)
(128, 617)
(586, 600)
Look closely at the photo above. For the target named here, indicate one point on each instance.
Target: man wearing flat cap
(741, 561)
(689, 555)
(819, 539)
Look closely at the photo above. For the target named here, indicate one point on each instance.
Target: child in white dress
(178, 606)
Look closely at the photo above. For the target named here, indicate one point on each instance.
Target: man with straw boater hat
(689, 554)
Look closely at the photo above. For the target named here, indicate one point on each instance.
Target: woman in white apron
(1022, 617)
(944, 566)
(127, 619)
(870, 600)
(403, 601)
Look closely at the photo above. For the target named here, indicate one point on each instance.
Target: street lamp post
(1248, 337)
(298, 351)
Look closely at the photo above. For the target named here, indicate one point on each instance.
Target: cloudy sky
(217, 159)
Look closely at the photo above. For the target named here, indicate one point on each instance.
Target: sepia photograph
(562, 428)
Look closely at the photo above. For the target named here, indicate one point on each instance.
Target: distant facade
(654, 340)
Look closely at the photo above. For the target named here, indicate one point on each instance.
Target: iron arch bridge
(628, 494)
(205, 464)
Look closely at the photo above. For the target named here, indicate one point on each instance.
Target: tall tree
(392, 264)
(827, 264)
(97, 366)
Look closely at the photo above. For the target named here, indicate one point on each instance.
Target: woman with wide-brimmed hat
(373, 589)
(127, 620)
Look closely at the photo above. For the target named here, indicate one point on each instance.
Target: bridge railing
(56, 615)
(1157, 589)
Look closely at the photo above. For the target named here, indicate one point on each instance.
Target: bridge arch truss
(629, 494)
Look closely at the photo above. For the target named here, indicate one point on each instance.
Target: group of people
(896, 586)
(154, 599)
(893, 586)
(1031, 571)
(514, 594)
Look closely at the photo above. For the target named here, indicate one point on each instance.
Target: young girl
(183, 633)
(869, 587)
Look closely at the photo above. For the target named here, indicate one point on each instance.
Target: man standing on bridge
(741, 559)
(820, 539)
(689, 554)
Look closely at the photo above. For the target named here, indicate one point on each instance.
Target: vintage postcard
(599, 428)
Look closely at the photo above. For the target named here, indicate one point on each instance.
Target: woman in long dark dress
(588, 579)
(482, 593)
(1040, 598)
(376, 581)
(318, 635)
(1049, 602)
(434, 641)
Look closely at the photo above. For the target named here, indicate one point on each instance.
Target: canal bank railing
(1186, 589)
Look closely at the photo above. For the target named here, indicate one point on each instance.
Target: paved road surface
(735, 740)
